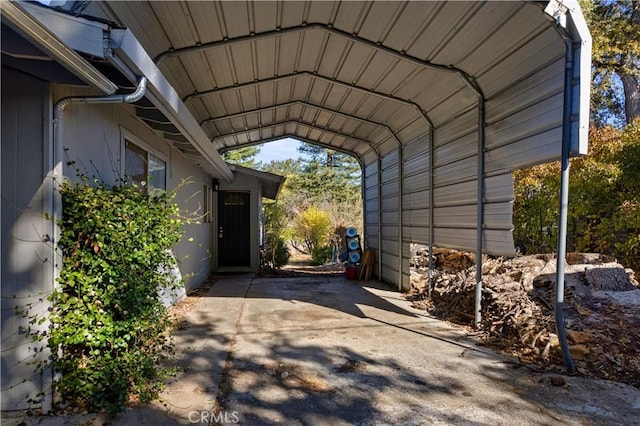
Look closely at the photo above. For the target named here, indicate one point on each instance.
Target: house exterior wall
(245, 183)
(26, 266)
(93, 138)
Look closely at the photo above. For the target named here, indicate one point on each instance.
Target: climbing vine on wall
(108, 329)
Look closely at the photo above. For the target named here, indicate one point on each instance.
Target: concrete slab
(331, 351)
(324, 350)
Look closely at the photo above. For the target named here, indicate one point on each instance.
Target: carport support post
(480, 212)
(431, 207)
(379, 218)
(400, 226)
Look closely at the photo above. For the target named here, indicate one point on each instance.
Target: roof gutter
(19, 18)
(61, 36)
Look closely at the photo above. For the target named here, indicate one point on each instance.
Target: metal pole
(564, 201)
(400, 189)
(431, 207)
(379, 218)
(480, 212)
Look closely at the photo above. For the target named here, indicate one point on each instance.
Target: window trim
(126, 135)
(207, 201)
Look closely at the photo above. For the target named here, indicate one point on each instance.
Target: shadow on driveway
(324, 350)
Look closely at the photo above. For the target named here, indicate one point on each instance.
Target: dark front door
(234, 239)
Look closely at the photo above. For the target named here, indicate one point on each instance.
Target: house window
(234, 199)
(144, 169)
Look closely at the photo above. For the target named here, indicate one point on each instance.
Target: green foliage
(615, 28)
(108, 328)
(276, 252)
(244, 156)
(604, 199)
(321, 255)
(535, 208)
(326, 180)
(328, 176)
(312, 227)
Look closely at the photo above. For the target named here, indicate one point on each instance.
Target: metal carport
(427, 95)
(439, 101)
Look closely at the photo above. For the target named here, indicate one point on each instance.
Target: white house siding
(26, 267)
(93, 139)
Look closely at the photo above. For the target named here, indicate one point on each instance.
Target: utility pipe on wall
(57, 164)
(58, 109)
(58, 148)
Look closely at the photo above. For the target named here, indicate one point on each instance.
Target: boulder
(613, 278)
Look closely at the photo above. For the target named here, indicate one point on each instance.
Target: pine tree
(244, 156)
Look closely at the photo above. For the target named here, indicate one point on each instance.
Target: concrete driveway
(324, 350)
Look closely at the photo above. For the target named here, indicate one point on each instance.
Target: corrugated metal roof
(383, 80)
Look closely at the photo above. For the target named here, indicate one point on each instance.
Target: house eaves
(129, 56)
(66, 34)
(270, 183)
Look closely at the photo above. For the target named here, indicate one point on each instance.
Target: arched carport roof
(408, 65)
(439, 101)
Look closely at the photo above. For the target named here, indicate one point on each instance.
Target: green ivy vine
(109, 330)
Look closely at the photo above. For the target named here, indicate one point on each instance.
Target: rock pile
(601, 304)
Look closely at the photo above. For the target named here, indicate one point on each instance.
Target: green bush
(109, 329)
(280, 254)
(321, 255)
(276, 253)
(604, 199)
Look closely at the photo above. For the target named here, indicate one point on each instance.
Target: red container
(351, 272)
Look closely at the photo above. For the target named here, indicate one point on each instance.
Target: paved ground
(324, 350)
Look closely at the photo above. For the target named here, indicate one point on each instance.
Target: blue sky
(279, 150)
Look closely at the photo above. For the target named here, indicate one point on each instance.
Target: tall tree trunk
(631, 82)
(631, 85)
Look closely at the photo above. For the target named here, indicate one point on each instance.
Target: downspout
(58, 110)
(564, 201)
(58, 148)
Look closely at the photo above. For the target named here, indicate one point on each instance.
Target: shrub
(108, 328)
(321, 255)
(313, 227)
(277, 253)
